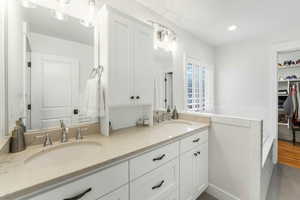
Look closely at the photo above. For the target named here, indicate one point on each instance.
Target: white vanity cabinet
(91, 187)
(120, 194)
(159, 184)
(126, 52)
(194, 168)
(175, 171)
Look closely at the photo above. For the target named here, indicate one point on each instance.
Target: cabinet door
(120, 194)
(143, 64)
(120, 66)
(187, 175)
(201, 172)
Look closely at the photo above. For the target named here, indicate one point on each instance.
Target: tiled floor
(285, 184)
(206, 196)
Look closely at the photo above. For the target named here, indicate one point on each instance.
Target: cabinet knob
(198, 152)
(195, 154)
(132, 97)
(137, 97)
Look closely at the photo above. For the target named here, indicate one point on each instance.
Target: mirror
(49, 65)
(168, 102)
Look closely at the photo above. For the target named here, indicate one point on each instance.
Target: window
(195, 86)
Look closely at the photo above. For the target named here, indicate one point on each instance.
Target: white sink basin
(179, 122)
(63, 154)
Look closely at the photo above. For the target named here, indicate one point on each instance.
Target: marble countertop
(18, 179)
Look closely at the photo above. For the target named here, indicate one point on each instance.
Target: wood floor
(289, 154)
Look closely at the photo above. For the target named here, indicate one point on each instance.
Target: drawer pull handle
(196, 140)
(79, 196)
(159, 158)
(159, 185)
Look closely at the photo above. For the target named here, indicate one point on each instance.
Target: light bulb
(28, 3)
(59, 15)
(232, 28)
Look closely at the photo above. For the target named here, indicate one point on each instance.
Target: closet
(288, 77)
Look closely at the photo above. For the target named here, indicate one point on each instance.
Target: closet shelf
(286, 81)
(290, 67)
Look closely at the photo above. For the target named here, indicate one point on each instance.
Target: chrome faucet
(47, 140)
(64, 132)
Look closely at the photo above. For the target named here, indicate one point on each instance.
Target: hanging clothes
(291, 104)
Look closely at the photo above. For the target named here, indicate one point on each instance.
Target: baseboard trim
(220, 194)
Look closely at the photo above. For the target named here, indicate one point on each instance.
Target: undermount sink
(68, 153)
(174, 122)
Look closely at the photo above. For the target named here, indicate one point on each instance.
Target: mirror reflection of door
(59, 56)
(54, 90)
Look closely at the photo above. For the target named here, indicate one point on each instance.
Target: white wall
(56, 46)
(243, 80)
(15, 62)
(2, 68)
(235, 153)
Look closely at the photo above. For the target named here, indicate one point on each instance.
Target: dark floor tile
(285, 184)
(206, 196)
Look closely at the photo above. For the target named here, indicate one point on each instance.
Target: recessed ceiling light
(232, 28)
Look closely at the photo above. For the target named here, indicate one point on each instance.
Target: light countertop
(17, 178)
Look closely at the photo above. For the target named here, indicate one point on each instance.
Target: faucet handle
(78, 134)
(47, 140)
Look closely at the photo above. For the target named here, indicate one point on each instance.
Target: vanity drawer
(193, 141)
(95, 185)
(120, 194)
(151, 160)
(160, 184)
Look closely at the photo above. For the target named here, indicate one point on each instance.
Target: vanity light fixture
(89, 20)
(28, 3)
(164, 37)
(59, 12)
(232, 28)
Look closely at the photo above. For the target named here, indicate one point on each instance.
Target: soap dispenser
(175, 114)
(17, 141)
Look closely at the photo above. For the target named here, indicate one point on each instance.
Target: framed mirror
(50, 58)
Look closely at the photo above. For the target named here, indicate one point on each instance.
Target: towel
(94, 102)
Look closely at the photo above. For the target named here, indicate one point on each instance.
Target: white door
(121, 72)
(55, 90)
(187, 175)
(143, 64)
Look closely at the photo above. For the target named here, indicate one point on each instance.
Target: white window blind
(196, 87)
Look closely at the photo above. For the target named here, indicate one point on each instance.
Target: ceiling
(41, 21)
(209, 19)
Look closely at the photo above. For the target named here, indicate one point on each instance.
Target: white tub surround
(120, 146)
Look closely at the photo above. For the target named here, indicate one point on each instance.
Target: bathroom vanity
(103, 76)
(167, 161)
